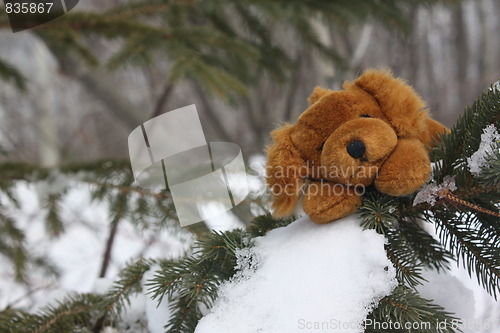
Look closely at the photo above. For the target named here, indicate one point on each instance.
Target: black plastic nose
(356, 149)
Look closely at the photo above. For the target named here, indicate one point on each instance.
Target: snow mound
(305, 277)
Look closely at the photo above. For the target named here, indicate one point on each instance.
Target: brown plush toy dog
(374, 132)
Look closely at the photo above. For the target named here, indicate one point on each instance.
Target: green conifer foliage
(225, 46)
(221, 54)
(465, 218)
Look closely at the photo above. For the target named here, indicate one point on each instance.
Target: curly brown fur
(374, 132)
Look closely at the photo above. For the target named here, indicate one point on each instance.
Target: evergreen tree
(463, 210)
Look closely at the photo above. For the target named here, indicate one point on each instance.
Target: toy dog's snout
(356, 149)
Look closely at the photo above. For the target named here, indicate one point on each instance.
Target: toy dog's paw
(326, 201)
(406, 169)
(284, 205)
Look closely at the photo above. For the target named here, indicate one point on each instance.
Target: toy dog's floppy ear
(285, 172)
(317, 93)
(402, 106)
(434, 130)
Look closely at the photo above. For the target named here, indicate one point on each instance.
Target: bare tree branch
(162, 101)
(109, 247)
(212, 118)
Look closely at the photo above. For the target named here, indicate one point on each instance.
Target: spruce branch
(262, 224)
(65, 41)
(53, 223)
(194, 280)
(12, 245)
(227, 50)
(213, 260)
(409, 247)
(74, 313)
(446, 194)
(477, 254)
(134, 9)
(405, 310)
(100, 24)
(184, 316)
(408, 267)
(490, 174)
(378, 212)
(429, 251)
(466, 218)
(453, 149)
(127, 284)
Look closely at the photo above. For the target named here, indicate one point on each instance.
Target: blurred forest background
(106, 67)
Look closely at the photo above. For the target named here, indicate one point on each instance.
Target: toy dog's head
(374, 132)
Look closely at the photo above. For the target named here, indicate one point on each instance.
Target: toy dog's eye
(365, 116)
(321, 147)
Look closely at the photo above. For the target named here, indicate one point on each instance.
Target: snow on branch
(489, 137)
(430, 192)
